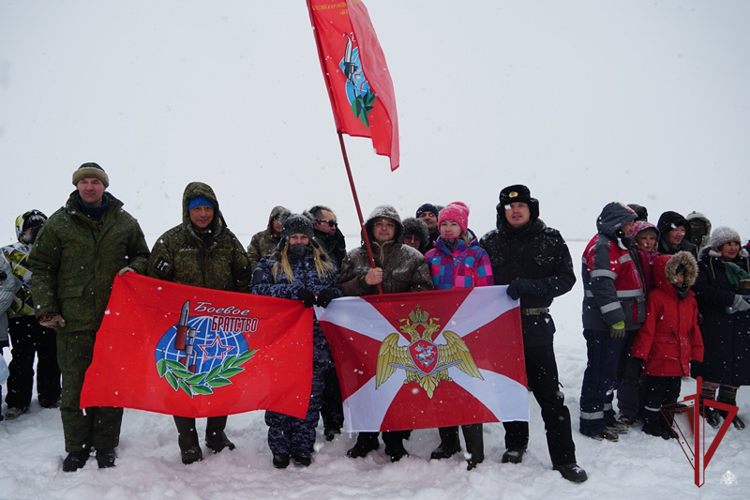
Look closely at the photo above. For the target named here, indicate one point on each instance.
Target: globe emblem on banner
(195, 358)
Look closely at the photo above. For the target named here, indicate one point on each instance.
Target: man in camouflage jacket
(201, 252)
(75, 259)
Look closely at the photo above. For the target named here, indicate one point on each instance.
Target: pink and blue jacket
(463, 266)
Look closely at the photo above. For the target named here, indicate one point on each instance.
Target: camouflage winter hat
(90, 169)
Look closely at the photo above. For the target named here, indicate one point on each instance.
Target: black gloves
(519, 287)
(326, 296)
(307, 297)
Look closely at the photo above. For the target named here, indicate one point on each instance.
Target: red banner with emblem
(196, 352)
(356, 75)
(428, 359)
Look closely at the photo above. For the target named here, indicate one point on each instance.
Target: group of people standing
(661, 302)
(80, 249)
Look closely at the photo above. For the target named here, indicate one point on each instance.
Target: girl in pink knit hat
(457, 261)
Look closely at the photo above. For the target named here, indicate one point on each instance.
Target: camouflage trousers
(290, 435)
(99, 426)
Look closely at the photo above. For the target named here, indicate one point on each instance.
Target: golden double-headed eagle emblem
(425, 362)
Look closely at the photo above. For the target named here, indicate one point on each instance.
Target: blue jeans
(599, 380)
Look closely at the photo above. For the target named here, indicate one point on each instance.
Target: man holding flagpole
(398, 268)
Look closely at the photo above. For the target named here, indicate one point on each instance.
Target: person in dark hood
(416, 234)
(613, 311)
(674, 234)
(263, 242)
(640, 211)
(535, 263)
(327, 233)
(428, 213)
(398, 268)
(202, 252)
(700, 230)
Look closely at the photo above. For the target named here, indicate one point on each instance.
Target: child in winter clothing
(669, 339)
(646, 237)
(457, 261)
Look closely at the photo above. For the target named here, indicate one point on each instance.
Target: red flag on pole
(428, 359)
(196, 352)
(358, 81)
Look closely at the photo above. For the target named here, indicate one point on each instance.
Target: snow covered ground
(584, 101)
(149, 466)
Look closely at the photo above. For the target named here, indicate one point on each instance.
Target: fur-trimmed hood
(665, 268)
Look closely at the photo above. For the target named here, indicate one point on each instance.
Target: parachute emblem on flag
(358, 91)
(199, 354)
(425, 362)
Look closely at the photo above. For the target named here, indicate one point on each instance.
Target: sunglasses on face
(331, 223)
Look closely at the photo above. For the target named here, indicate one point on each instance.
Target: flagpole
(365, 236)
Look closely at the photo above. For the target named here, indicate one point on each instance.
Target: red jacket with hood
(670, 338)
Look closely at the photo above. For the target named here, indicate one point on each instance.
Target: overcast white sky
(584, 101)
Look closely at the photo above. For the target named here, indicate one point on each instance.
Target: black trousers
(541, 372)
(660, 392)
(28, 340)
(332, 410)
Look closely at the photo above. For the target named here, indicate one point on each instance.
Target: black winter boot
(366, 442)
(449, 444)
(187, 438)
(281, 461)
(75, 460)
(572, 472)
(216, 439)
(394, 445)
(106, 458)
(302, 458)
(710, 414)
(728, 395)
(474, 437)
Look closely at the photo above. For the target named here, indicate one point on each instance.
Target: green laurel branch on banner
(202, 383)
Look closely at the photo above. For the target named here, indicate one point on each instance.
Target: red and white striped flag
(428, 359)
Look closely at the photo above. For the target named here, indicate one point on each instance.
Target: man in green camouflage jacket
(77, 254)
(202, 252)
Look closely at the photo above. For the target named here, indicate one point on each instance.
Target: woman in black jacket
(722, 293)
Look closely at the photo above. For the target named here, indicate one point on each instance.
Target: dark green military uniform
(213, 258)
(74, 262)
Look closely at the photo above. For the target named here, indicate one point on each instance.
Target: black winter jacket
(539, 259)
(726, 337)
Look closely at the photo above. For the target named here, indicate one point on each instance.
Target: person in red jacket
(669, 339)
